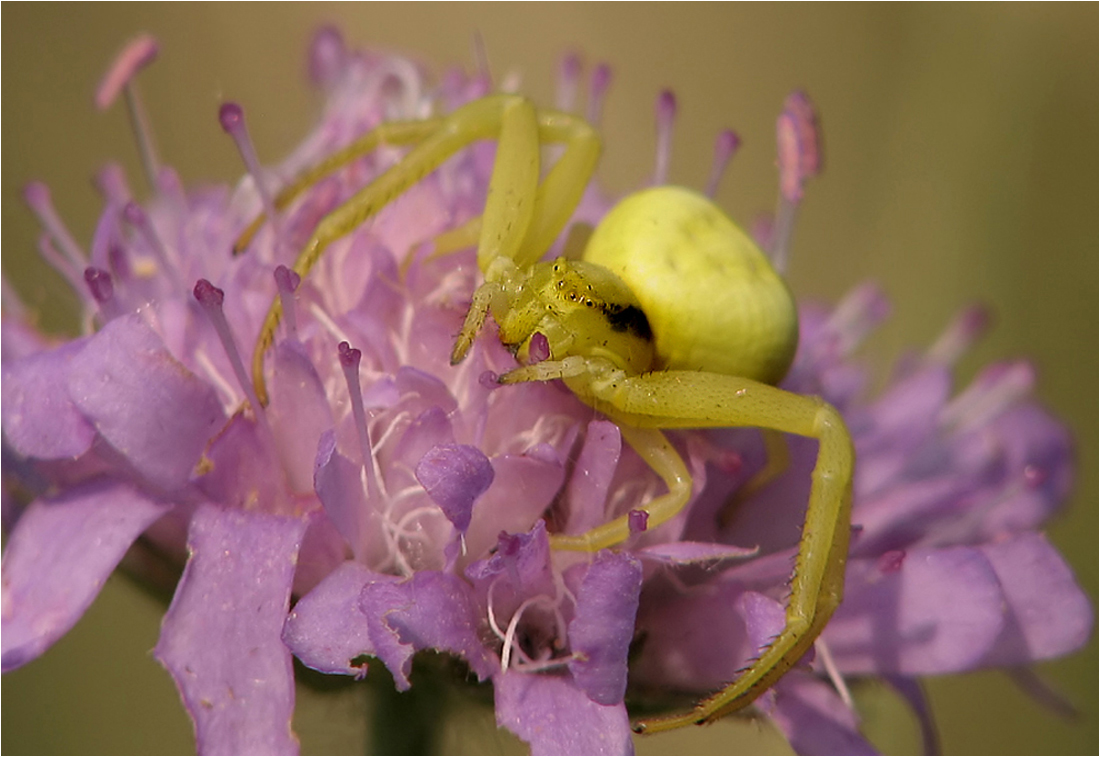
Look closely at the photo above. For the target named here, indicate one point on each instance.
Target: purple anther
(569, 76)
(799, 145)
(489, 380)
(538, 349)
(211, 299)
(666, 114)
(637, 521)
(349, 363)
(99, 284)
(231, 117)
(327, 56)
(136, 55)
(601, 82)
(349, 356)
(134, 215)
(891, 562)
(288, 280)
(208, 295)
(725, 146)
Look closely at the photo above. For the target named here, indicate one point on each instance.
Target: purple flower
(385, 502)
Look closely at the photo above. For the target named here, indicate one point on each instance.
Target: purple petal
(601, 631)
(455, 475)
(813, 717)
(592, 475)
(523, 487)
(40, 419)
(59, 556)
(429, 611)
(222, 636)
(554, 716)
(520, 568)
(926, 611)
(238, 469)
(326, 630)
(695, 642)
(1037, 587)
(340, 488)
(299, 412)
(145, 403)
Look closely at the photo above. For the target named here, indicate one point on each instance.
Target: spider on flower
(671, 318)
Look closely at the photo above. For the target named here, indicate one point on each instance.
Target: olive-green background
(961, 166)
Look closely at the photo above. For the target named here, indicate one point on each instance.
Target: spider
(672, 318)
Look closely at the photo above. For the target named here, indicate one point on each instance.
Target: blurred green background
(961, 156)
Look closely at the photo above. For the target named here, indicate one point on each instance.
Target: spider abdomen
(711, 297)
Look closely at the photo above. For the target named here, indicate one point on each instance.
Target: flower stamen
(121, 76)
(666, 115)
(231, 118)
(349, 363)
(597, 92)
(287, 282)
(799, 154)
(725, 147)
(37, 196)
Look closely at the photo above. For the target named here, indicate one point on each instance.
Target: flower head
(403, 504)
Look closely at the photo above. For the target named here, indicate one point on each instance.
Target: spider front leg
(521, 216)
(687, 399)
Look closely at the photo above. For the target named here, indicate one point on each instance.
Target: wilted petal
(927, 611)
(222, 636)
(455, 475)
(813, 718)
(59, 557)
(554, 716)
(145, 403)
(429, 611)
(326, 630)
(601, 631)
(40, 419)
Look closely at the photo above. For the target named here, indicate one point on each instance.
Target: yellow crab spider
(673, 318)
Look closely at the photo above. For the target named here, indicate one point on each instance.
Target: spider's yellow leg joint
(661, 456)
(818, 582)
(696, 399)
